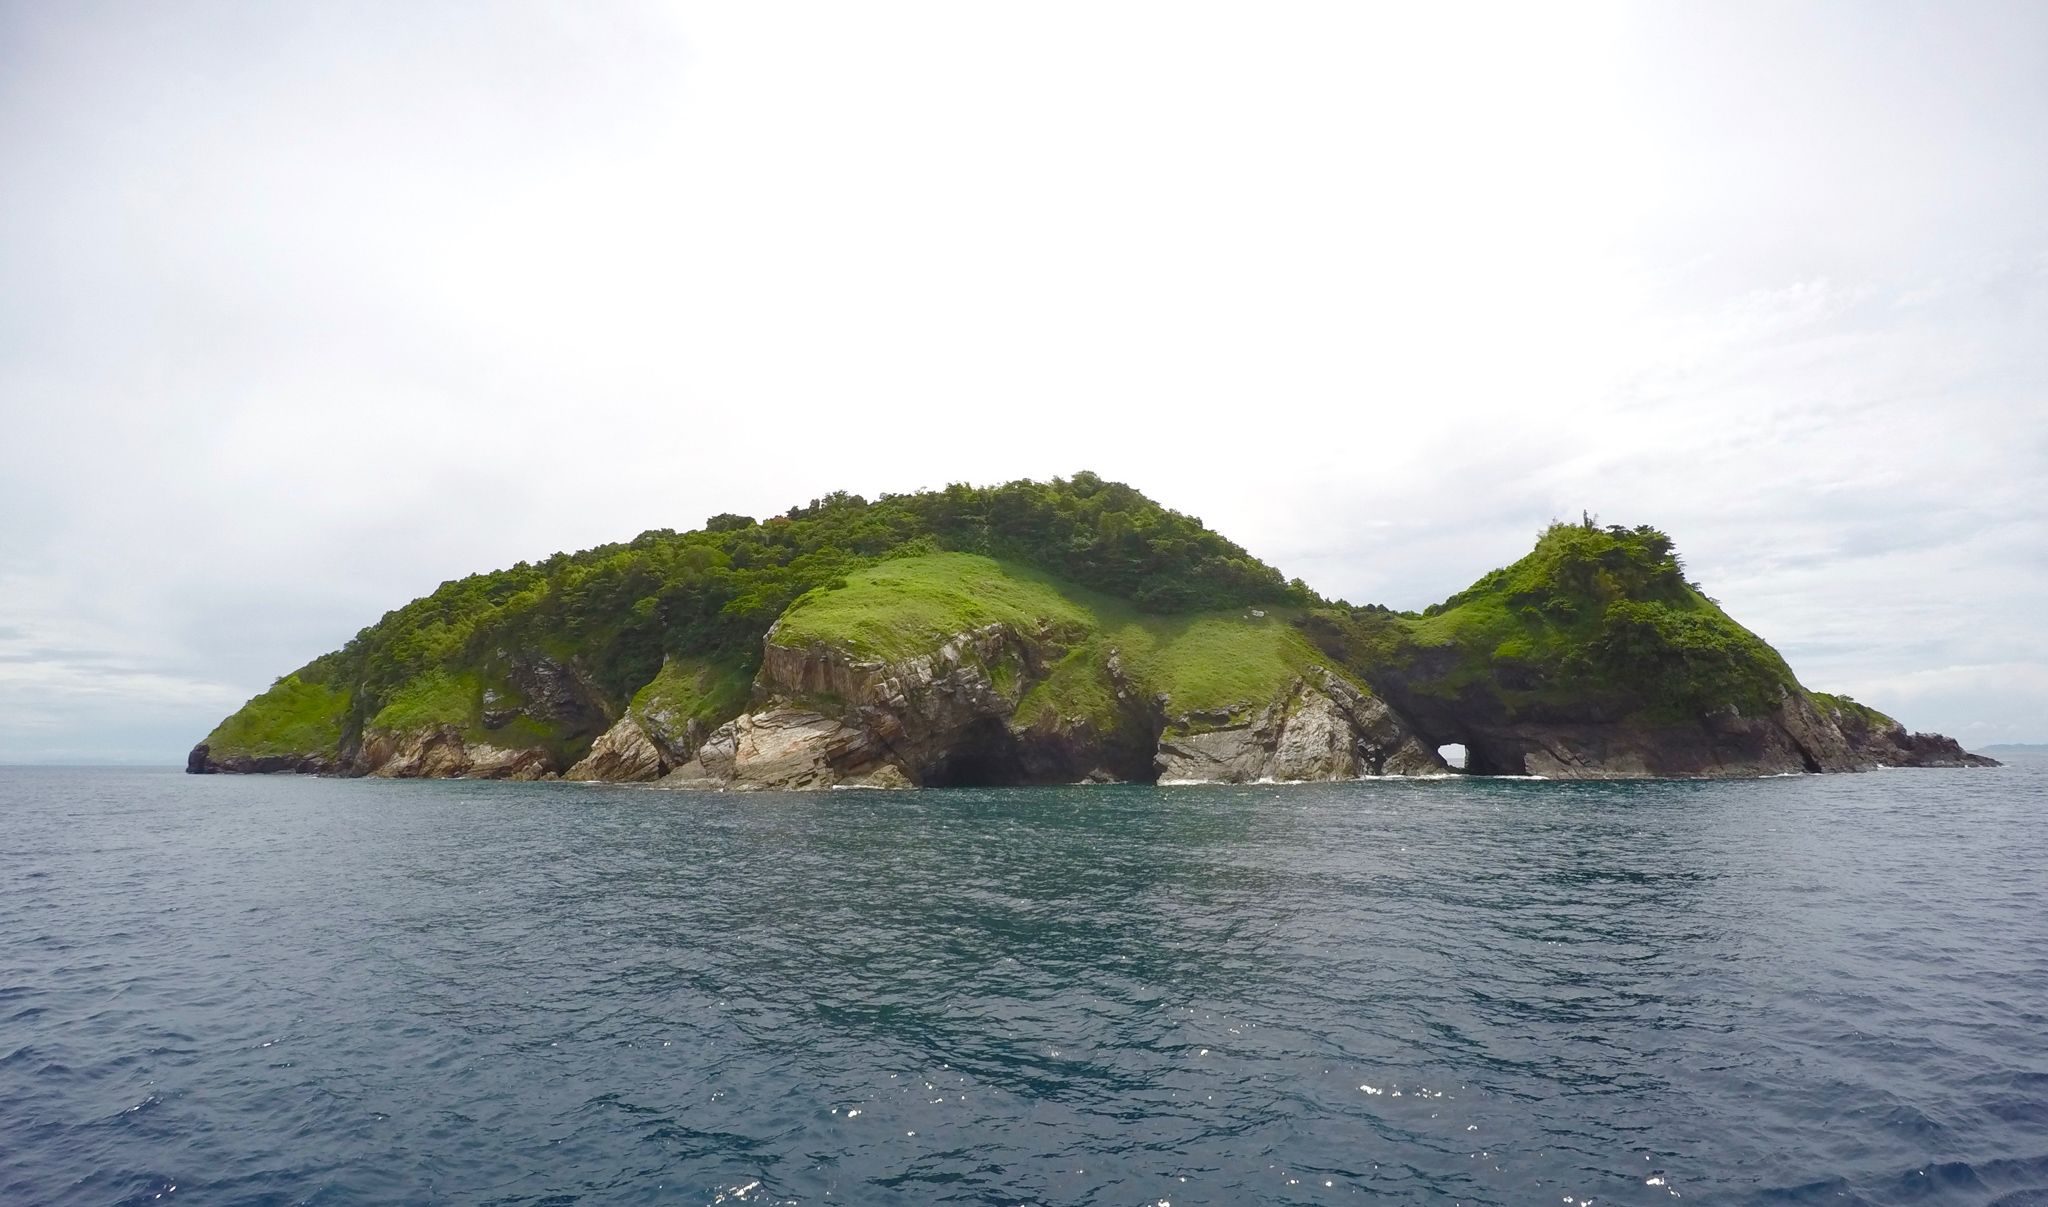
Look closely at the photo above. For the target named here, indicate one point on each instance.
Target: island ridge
(1046, 632)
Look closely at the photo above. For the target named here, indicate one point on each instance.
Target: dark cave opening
(1486, 760)
(986, 756)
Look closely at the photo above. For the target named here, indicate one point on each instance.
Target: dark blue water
(276, 990)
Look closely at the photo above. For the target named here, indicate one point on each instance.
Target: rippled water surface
(271, 990)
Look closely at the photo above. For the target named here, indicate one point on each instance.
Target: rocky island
(1046, 632)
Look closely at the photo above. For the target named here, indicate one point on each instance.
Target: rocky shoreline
(821, 718)
(1070, 631)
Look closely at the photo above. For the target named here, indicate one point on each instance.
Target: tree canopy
(713, 592)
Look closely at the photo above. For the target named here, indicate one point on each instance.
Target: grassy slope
(443, 697)
(619, 611)
(1842, 708)
(1600, 621)
(1599, 617)
(690, 689)
(1201, 662)
(293, 717)
(904, 607)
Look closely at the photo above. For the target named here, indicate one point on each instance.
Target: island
(1065, 631)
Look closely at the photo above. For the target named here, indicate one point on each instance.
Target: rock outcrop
(824, 717)
(200, 761)
(1039, 633)
(790, 748)
(442, 752)
(1801, 733)
(951, 717)
(623, 754)
(528, 695)
(1326, 730)
(1877, 740)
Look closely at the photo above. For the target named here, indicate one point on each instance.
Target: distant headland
(1046, 632)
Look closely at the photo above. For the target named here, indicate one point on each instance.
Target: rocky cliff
(962, 714)
(858, 644)
(1594, 658)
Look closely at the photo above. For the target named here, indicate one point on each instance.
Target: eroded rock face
(548, 692)
(1327, 730)
(789, 748)
(201, 762)
(1795, 736)
(915, 712)
(442, 753)
(894, 723)
(623, 754)
(1879, 741)
(824, 718)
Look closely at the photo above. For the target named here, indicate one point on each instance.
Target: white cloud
(312, 309)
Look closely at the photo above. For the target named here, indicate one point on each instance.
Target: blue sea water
(224, 990)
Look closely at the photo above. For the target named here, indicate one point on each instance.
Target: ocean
(271, 990)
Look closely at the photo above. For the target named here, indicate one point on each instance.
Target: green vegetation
(458, 698)
(1210, 661)
(1594, 621)
(293, 717)
(1845, 710)
(618, 612)
(1076, 689)
(1215, 662)
(439, 697)
(906, 606)
(691, 689)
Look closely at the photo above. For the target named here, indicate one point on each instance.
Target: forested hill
(712, 593)
(1043, 632)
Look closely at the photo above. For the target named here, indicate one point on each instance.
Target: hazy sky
(306, 308)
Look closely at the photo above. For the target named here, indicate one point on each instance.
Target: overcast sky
(306, 308)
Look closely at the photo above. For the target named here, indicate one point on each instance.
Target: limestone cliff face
(1789, 739)
(824, 718)
(1796, 735)
(623, 754)
(442, 752)
(1320, 730)
(821, 717)
(789, 748)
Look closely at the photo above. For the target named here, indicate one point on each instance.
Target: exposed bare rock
(1877, 740)
(441, 753)
(787, 747)
(554, 693)
(1800, 734)
(623, 754)
(1326, 730)
(918, 710)
(201, 762)
(909, 721)
(826, 718)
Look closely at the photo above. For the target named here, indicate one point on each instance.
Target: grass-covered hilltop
(1041, 632)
